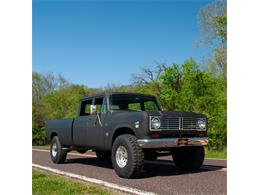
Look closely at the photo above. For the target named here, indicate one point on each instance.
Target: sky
(96, 43)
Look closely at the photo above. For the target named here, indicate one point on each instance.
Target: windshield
(133, 102)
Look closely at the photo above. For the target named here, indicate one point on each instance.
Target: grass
(43, 146)
(44, 183)
(216, 154)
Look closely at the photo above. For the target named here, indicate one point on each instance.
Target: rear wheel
(188, 158)
(103, 155)
(58, 155)
(127, 156)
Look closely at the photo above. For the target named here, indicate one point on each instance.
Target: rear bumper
(172, 142)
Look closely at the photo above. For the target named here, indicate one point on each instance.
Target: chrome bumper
(172, 142)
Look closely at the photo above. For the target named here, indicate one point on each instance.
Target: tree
(63, 102)
(186, 87)
(148, 80)
(43, 84)
(149, 75)
(212, 20)
(119, 88)
(170, 82)
(46, 83)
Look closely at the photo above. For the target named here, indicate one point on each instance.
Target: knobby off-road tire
(103, 155)
(58, 155)
(126, 144)
(150, 155)
(188, 158)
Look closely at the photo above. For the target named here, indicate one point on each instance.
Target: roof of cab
(113, 93)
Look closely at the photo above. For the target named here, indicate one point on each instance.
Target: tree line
(189, 86)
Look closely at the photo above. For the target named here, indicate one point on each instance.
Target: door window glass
(85, 107)
(99, 103)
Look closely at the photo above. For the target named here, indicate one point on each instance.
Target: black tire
(135, 156)
(81, 151)
(103, 155)
(61, 154)
(150, 155)
(188, 158)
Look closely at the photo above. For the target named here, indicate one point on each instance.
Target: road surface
(159, 177)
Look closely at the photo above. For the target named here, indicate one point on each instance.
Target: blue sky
(101, 42)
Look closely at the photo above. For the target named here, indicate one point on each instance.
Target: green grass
(216, 154)
(44, 183)
(42, 147)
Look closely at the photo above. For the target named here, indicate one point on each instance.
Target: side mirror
(93, 109)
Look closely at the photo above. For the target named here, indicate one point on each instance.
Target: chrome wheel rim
(54, 150)
(121, 156)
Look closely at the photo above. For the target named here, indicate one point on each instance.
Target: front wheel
(188, 158)
(58, 155)
(127, 156)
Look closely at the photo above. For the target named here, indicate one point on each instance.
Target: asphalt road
(160, 177)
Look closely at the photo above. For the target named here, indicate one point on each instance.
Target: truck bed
(63, 128)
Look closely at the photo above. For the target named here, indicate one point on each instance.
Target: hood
(175, 114)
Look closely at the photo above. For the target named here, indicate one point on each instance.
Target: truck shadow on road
(151, 168)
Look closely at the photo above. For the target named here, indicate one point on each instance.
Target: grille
(178, 123)
(189, 123)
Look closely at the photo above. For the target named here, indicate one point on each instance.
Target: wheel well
(121, 131)
(53, 134)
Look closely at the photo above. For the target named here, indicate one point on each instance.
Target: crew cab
(129, 128)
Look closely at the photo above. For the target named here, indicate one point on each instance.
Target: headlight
(202, 123)
(155, 123)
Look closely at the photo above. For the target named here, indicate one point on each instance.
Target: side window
(104, 106)
(99, 103)
(85, 107)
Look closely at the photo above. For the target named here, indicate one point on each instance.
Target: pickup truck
(129, 128)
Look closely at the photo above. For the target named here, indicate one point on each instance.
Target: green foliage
(38, 136)
(63, 103)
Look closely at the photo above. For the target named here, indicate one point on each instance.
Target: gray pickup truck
(129, 128)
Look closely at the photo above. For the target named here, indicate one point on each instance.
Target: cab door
(82, 124)
(96, 129)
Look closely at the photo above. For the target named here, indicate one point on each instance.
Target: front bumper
(172, 142)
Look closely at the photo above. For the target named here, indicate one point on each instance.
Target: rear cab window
(85, 107)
